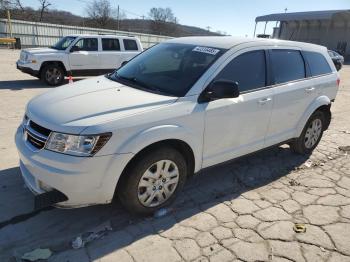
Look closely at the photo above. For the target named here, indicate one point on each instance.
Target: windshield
(63, 43)
(168, 68)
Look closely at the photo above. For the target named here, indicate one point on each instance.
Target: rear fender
(318, 102)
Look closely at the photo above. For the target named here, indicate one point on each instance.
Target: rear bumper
(20, 66)
(84, 180)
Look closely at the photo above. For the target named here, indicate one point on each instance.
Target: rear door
(111, 56)
(131, 48)
(293, 93)
(84, 56)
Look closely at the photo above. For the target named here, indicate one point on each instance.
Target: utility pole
(208, 28)
(118, 16)
(9, 22)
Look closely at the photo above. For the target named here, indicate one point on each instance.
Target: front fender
(149, 136)
(318, 102)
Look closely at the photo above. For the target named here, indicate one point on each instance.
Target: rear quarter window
(130, 45)
(317, 63)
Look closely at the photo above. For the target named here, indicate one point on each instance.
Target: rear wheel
(52, 75)
(338, 66)
(153, 181)
(311, 135)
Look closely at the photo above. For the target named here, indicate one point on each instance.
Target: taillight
(338, 82)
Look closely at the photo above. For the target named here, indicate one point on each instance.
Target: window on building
(287, 65)
(248, 70)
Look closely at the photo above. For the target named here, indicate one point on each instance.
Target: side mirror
(219, 89)
(74, 49)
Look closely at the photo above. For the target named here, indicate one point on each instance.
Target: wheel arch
(54, 62)
(180, 145)
(322, 103)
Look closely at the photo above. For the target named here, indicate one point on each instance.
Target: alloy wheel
(313, 133)
(158, 183)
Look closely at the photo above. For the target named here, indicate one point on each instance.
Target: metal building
(328, 28)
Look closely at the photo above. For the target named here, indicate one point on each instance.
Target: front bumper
(84, 180)
(25, 69)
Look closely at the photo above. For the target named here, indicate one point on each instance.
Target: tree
(18, 5)
(162, 15)
(44, 4)
(100, 11)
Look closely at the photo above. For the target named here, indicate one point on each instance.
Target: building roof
(311, 15)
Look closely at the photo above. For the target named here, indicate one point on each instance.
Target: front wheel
(153, 181)
(311, 134)
(52, 75)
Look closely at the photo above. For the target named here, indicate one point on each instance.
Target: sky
(234, 17)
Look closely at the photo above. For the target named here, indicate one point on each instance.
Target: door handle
(309, 90)
(263, 101)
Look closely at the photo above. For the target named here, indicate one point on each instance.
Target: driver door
(84, 56)
(238, 126)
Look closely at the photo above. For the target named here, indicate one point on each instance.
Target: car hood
(42, 51)
(73, 107)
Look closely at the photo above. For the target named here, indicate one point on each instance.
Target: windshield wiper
(141, 85)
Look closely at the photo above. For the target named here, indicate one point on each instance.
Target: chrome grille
(35, 135)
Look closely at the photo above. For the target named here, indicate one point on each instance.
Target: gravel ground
(241, 211)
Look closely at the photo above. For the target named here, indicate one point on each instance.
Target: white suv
(78, 55)
(181, 106)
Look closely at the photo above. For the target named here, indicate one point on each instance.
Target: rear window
(110, 44)
(287, 65)
(130, 45)
(317, 63)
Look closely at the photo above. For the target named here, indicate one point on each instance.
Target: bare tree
(18, 5)
(6, 4)
(162, 14)
(44, 4)
(100, 11)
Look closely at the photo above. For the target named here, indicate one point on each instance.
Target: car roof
(103, 35)
(227, 42)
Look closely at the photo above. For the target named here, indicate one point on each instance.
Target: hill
(131, 25)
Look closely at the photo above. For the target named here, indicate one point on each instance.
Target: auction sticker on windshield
(206, 50)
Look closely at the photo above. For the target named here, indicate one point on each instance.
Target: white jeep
(78, 55)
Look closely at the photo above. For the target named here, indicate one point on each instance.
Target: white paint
(216, 131)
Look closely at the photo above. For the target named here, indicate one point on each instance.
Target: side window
(318, 63)
(110, 44)
(87, 44)
(130, 45)
(248, 69)
(287, 65)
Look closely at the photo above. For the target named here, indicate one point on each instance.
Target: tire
(53, 75)
(142, 181)
(338, 66)
(311, 134)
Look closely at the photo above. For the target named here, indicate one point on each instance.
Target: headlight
(85, 145)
